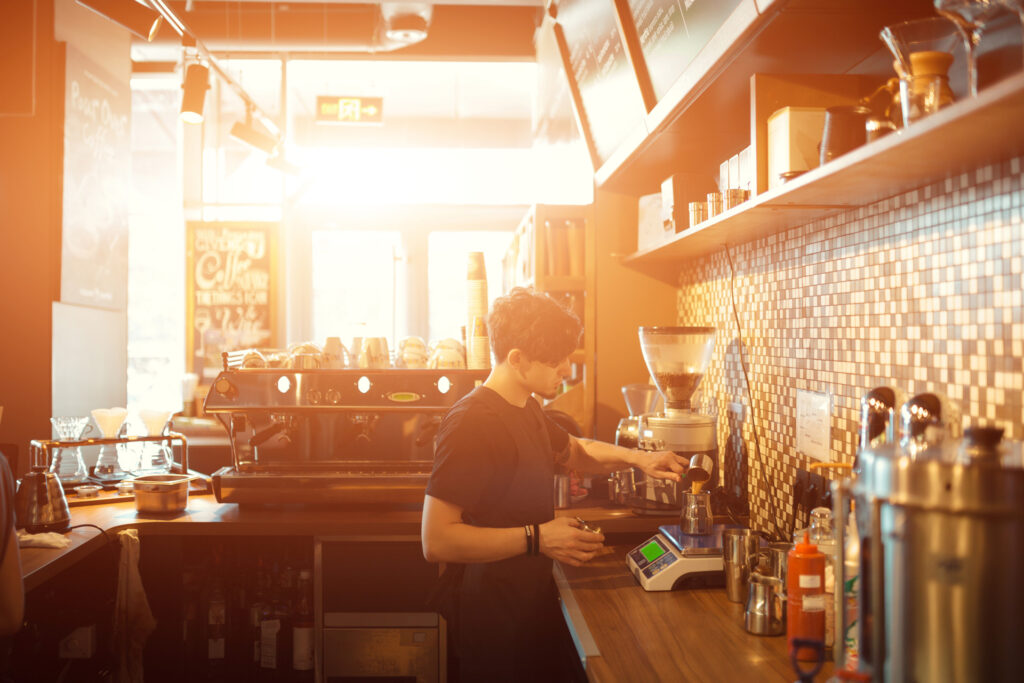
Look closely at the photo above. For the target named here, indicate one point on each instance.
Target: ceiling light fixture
(137, 18)
(197, 82)
(406, 22)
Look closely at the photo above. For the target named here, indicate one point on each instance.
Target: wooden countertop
(692, 634)
(624, 632)
(205, 516)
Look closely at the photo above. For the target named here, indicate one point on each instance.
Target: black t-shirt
(497, 461)
(479, 453)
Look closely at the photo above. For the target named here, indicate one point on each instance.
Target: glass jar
(927, 89)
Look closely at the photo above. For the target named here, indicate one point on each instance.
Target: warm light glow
(359, 176)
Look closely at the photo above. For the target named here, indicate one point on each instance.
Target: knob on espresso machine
(225, 388)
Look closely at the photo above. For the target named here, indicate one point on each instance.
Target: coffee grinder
(691, 551)
(676, 358)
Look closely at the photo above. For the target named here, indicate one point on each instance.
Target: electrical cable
(94, 526)
(761, 466)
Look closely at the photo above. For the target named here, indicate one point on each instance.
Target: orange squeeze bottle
(805, 608)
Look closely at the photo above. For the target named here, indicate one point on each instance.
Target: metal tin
(161, 493)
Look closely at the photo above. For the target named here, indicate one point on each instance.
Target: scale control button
(314, 397)
(333, 396)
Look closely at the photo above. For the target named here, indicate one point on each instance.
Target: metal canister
(940, 564)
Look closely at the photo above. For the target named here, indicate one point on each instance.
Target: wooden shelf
(961, 137)
(704, 118)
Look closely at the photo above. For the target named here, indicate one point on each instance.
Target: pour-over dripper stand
(677, 358)
(67, 463)
(109, 421)
(155, 457)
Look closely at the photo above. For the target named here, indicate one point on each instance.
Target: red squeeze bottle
(805, 587)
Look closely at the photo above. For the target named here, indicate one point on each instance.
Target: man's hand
(565, 540)
(662, 464)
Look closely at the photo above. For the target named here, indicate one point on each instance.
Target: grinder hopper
(677, 358)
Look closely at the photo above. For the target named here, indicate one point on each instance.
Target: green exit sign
(349, 110)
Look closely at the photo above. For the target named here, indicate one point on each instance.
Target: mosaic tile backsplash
(923, 291)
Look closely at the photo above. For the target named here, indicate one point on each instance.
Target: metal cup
(766, 606)
(845, 129)
(696, 519)
(778, 558)
(739, 548)
(701, 466)
(562, 497)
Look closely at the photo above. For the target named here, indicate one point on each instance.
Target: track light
(251, 135)
(197, 82)
(137, 18)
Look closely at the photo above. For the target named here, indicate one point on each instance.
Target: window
(447, 259)
(355, 285)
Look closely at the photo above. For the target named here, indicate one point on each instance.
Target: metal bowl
(161, 493)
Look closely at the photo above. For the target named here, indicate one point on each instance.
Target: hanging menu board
(610, 94)
(97, 179)
(553, 122)
(672, 32)
(230, 287)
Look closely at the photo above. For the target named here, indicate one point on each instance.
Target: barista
(489, 508)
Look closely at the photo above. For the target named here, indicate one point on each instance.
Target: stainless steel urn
(942, 562)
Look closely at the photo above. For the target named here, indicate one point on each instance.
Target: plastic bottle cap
(805, 547)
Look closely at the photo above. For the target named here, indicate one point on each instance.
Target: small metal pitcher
(766, 606)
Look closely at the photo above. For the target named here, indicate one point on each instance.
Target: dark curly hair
(534, 323)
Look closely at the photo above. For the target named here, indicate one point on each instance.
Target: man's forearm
(599, 457)
(465, 543)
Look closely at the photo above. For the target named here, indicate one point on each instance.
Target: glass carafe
(907, 38)
(109, 421)
(156, 457)
(67, 463)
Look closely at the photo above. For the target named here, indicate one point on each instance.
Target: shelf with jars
(962, 137)
(550, 253)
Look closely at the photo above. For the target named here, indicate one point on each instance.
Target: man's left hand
(662, 464)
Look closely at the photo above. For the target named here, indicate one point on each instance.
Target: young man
(489, 508)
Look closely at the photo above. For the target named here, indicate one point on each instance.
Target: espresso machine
(330, 436)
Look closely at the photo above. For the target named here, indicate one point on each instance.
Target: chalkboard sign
(97, 179)
(672, 32)
(598, 64)
(230, 288)
(553, 121)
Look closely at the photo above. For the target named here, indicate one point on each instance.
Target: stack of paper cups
(478, 356)
(476, 306)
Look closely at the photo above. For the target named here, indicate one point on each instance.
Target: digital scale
(670, 558)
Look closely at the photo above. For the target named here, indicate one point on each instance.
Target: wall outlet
(79, 644)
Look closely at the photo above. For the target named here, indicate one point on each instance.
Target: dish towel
(50, 539)
(133, 620)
